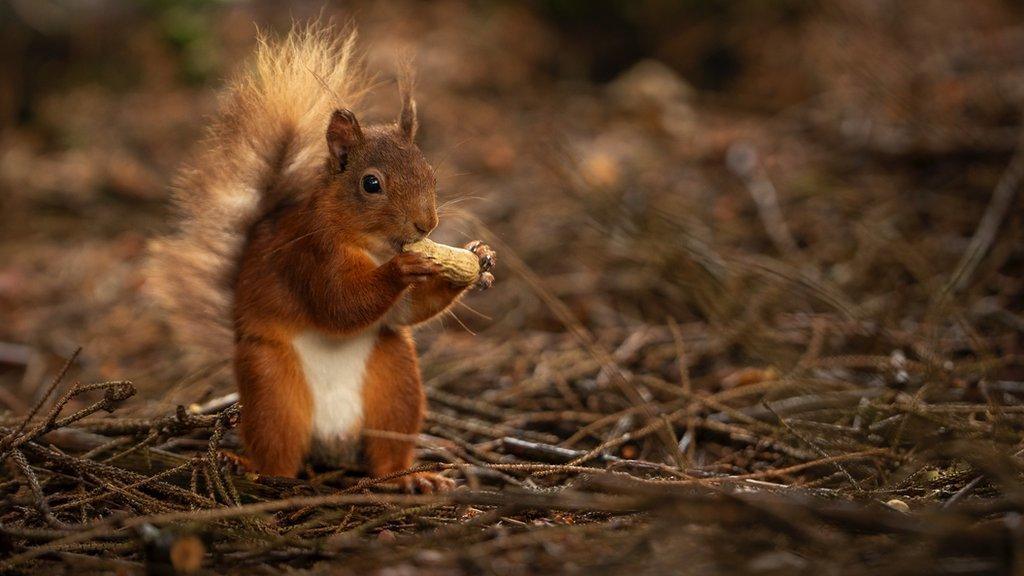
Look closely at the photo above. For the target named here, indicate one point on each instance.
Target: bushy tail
(266, 143)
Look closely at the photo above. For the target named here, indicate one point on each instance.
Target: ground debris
(724, 338)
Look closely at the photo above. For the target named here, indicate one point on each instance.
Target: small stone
(602, 169)
(781, 561)
(898, 505)
(429, 557)
(187, 554)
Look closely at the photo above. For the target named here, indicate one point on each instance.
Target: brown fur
(264, 145)
(280, 237)
(394, 401)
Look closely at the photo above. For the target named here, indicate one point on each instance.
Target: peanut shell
(460, 265)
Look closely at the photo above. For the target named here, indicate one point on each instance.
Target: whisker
(459, 320)
(458, 174)
(454, 201)
(447, 155)
(474, 311)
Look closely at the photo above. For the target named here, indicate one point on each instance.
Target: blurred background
(713, 161)
(719, 191)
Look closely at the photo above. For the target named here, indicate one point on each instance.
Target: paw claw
(487, 259)
(235, 463)
(483, 252)
(485, 281)
(487, 262)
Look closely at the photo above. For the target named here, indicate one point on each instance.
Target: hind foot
(235, 463)
(425, 483)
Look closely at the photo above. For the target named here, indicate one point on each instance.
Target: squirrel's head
(380, 179)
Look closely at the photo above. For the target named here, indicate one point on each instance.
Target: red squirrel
(288, 257)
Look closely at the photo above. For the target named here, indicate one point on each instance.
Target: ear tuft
(343, 134)
(407, 122)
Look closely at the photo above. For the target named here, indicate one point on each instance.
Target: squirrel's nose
(425, 225)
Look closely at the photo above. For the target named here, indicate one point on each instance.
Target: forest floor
(725, 337)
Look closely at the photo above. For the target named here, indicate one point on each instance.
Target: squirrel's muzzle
(424, 224)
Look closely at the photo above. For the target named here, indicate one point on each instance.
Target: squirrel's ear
(407, 123)
(343, 133)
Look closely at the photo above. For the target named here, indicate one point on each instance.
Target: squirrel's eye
(371, 184)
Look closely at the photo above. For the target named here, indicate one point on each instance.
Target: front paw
(487, 259)
(487, 256)
(414, 268)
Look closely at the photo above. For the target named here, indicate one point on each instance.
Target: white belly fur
(334, 367)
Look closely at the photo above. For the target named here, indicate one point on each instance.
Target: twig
(742, 160)
(9, 439)
(1002, 198)
(814, 445)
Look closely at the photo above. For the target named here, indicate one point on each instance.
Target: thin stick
(1002, 198)
(814, 445)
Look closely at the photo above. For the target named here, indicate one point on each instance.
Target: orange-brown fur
(394, 401)
(281, 236)
(298, 274)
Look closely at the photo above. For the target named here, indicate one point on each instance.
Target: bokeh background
(801, 195)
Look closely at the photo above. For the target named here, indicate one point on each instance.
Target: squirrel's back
(264, 146)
